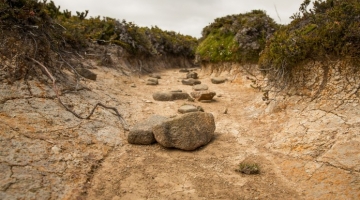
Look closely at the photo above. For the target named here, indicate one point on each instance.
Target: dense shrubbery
(238, 38)
(136, 40)
(38, 30)
(329, 30)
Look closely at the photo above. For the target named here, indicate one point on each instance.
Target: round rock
(187, 132)
(200, 87)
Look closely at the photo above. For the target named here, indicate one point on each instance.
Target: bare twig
(125, 126)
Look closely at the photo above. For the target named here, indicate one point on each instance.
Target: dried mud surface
(304, 150)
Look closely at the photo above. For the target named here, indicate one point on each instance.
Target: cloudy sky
(184, 16)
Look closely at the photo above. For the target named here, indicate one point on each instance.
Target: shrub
(329, 30)
(238, 38)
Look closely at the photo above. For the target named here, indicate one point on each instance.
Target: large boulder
(203, 95)
(170, 96)
(193, 75)
(200, 87)
(152, 81)
(142, 132)
(190, 81)
(218, 80)
(187, 132)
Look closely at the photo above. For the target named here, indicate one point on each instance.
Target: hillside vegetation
(329, 30)
(236, 38)
(37, 32)
(324, 31)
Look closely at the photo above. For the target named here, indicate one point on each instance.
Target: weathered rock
(218, 80)
(187, 108)
(190, 81)
(200, 87)
(180, 95)
(203, 95)
(187, 132)
(170, 96)
(152, 81)
(163, 96)
(184, 70)
(142, 132)
(193, 75)
(176, 91)
(86, 73)
(155, 76)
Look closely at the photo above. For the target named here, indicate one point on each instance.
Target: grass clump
(248, 168)
(329, 30)
(236, 38)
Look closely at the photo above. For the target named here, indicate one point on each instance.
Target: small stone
(190, 81)
(218, 80)
(187, 108)
(155, 76)
(193, 75)
(225, 111)
(184, 70)
(55, 149)
(200, 87)
(203, 95)
(142, 132)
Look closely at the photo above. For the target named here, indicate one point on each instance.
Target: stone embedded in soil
(170, 96)
(190, 81)
(184, 70)
(152, 81)
(193, 75)
(86, 73)
(218, 80)
(142, 132)
(187, 108)
(203, 95)
(200, 87)
(186, 132)
(155, 76)
(176, 91)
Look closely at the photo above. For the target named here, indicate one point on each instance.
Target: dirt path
(153, 172)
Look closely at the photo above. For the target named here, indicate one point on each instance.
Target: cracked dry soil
(306, 150)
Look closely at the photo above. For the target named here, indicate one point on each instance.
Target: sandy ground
(154, 172)
(51, 154)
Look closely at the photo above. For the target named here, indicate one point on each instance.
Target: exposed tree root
(122, 120)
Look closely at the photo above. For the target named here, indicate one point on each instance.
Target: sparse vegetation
(248, 168)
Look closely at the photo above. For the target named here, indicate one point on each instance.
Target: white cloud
(185, 16)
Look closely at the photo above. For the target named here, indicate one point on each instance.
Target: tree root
(122, 120)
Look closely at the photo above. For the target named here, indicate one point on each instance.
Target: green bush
(238, 38)
(329, 30)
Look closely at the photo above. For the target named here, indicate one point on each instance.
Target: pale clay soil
(245, 133)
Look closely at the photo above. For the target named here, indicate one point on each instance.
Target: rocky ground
(306, 149)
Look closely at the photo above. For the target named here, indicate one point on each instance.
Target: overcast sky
(187, 17)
